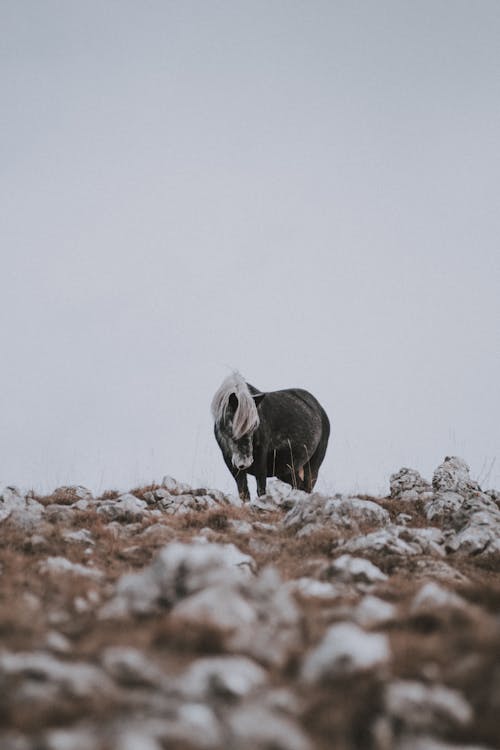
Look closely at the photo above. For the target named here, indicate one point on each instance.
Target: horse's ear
(257, 397)
(233, 402)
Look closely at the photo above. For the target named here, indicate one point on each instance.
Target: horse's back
(296, 411)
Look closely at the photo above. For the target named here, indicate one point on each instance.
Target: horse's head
(234, 409)
(239, 424)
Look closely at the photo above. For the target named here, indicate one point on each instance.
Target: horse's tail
(246, 417)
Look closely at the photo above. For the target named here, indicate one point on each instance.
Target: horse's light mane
(246, 418)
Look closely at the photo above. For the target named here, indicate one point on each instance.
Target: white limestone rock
(254, 726)
(419, 707)
(342, 512)
(20, 510)
(432, 596)
(233, 677)
(398, 540)
(346, 649)
(354, 570)
(174, 487)
(76, 738)
(126, 509)
(259, 616)
(81, 536)
(60, 565)
(408, 485)
(372, 612)
(279, 496)
(442, 505)
(129, 666)
(310, 587)
(74, 679)
(178, 571)
(453, 476)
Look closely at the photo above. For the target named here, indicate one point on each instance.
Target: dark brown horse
(281, 434)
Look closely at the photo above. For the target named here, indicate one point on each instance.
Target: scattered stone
(19, 510)
(408, 485)
(82, 536)
(432, 596)
(125, 508)
(342, 512)
(256, 727)
(346, 649)
(224, 676)
(372, 612)
(420, 707)
(174, 487)
(129, 666)
(310, 587)
(77, 679)
(398, 540)
(240, 527)
(354, 570)
(57, 642)
(453, 476)
(179, 570)
(60, 565)
(83, 738)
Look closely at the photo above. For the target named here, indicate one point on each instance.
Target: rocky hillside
(173, 617)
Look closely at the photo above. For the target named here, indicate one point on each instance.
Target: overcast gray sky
(305, 191)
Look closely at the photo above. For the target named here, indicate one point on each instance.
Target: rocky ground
(173, 617)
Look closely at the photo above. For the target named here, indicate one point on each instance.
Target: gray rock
(224, 676)
(186, 503)
(129, 666)
(174, 487)
(126, 508)
(279, 496)
(19, 510)
(420, 707)
(80, 738)
(453, 476)
(74, 679)
(240, 527)
(346, 649)
(431, 596)
(60, 565)
(259, 615)
(343, 512)
(398, 540)
(408, 485)
(178, 571)
(82, 536)
(256, 727)
(310, 587)
(373, 611)
(157, 534)
(443, 505)
(57, 642)
(354, 570)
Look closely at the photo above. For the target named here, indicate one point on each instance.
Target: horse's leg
(311, 468)
(261, 484)
(242, 483)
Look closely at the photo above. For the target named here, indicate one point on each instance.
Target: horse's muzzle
(241, 463)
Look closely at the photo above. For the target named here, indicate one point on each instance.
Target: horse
(281, 434)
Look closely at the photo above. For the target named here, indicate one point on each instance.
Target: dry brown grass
(458, 649)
